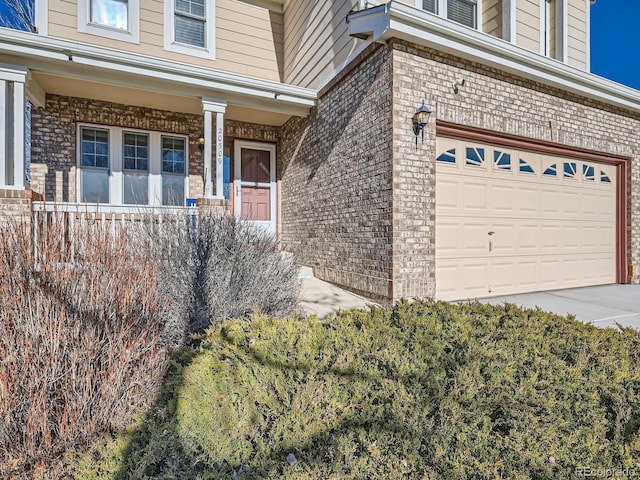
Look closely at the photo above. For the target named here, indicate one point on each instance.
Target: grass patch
(423, 390)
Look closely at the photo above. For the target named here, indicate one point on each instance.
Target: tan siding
(316, 40)
(249, 39)
(577, 34)
(492, 17)
(528, 24)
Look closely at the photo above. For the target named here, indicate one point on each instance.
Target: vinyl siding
(249, 39)
(316, 40)
(577, 34)
(528, 24)
(492, 17)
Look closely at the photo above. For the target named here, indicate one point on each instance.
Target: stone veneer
(53, 144)
(358, 197)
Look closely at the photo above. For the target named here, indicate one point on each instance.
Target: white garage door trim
(513, 220)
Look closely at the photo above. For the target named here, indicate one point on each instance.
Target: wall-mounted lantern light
(201, 142)
(420, 120)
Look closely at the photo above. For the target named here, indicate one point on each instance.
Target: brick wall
(335, 169)
(55, 129)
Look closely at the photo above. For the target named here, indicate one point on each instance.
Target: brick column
(216, 206)
(15, 205)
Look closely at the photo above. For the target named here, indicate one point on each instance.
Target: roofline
(55, 56)
(397, 20)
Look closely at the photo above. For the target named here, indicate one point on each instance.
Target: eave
(397, 20)
(116, 67)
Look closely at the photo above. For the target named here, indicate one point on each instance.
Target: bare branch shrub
(80, 338)
(228, 268)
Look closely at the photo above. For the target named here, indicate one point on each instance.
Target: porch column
(12, 116)
(209, 106)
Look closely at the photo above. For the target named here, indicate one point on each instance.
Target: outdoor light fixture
(201, 142)
(420, 120)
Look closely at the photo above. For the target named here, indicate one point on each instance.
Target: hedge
(423, 391)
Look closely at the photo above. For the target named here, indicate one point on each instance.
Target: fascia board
(423, 28)
(12, 73)
(31, 45)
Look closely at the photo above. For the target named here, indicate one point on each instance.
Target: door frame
(270, 226)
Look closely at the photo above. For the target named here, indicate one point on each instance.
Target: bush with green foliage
(421, 391)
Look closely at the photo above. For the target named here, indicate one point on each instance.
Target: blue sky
(615, 41)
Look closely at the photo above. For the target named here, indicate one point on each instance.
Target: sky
(615, 41)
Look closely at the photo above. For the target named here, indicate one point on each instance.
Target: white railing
(61, 224)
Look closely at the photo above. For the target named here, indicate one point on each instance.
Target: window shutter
(429, 5)
(462, 11)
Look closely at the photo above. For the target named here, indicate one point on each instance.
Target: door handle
(491, 233)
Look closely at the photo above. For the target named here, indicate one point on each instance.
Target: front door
(255, 183)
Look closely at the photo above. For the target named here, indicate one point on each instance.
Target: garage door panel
(554, 228)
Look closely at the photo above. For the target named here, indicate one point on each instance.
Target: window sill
(191, 50)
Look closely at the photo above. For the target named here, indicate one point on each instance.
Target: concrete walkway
(322, 298)
(603, 306)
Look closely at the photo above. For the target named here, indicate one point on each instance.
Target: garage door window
(502, 160)
(525, 167)
(447, 157)
(475, 156)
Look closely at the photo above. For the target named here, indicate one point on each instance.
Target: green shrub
(421, 391)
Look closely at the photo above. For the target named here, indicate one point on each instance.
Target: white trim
(130, 35)
(588, 34)
(397, 20)
(42, 16)
(441, 11)
(56, 56)
(116, 170)
(543, 30)
(4, 132)
(268, 147)
(509, 20)
(18, 135)
(171, 45)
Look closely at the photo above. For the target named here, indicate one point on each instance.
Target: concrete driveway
(603, 306)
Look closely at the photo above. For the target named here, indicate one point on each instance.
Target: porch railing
(63, 224)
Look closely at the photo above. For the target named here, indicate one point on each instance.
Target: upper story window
(461, 11)
(116, 19)
(189, 27)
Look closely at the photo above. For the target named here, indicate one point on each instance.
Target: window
(189, 27)
(553, 27)
(94, 161)
(116, 19)
(173, 170)
(135, 175)
(127, 167)
(460, 11)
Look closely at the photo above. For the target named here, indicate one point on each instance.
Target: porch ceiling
(58, 85)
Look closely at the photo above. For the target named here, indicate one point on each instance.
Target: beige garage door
(510, 221)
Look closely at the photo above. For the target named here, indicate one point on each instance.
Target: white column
(13, 80)
(219, 154)
(18, 135)
(207, 154)
(210, 105)
(4, 129)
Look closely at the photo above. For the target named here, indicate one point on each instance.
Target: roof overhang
(100, 64)
(397, 20)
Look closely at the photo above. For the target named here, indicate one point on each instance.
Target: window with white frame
(460, 11)
(189, 27)
(131, 167)
(116, 19)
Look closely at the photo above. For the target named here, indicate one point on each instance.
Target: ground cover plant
(421, 391)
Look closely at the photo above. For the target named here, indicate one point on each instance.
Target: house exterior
(298, 116)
